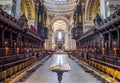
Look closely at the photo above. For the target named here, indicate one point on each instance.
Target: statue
(97, 21)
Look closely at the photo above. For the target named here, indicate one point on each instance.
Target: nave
(76, 75)
(35, 34)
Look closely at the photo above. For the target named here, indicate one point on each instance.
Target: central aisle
(76, 75)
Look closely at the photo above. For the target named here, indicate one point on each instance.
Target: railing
(6, 18)
(114, 18)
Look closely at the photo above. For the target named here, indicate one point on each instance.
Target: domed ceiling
(60, 6)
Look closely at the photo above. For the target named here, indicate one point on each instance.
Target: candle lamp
(25, 49)
(86, 49)
(115, 43)
(21, 44)
(30, 49)
(17, 49)
(95, 49)
(26, 44)
(6, 50)
(103, 51)
(98, 45)
(35, 49)
(15, 44)
(5, 43)
(115, 50)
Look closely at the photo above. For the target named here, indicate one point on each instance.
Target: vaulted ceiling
(59, 25)
(60, 6)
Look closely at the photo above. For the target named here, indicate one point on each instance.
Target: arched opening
(60, 40)
(60, 35)
(91, 10)
(59, 24)
(27, 8)
(62, 24)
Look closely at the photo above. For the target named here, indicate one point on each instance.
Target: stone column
(102, 8)
(18, 9)
(49, 45)
(108, 10)
(36, 20)
(53, 41)
(69, 41)
(83, 16)
(72, 44)
(66, 41)
(46, 44)
(49, 42)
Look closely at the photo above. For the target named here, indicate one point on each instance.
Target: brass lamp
(17, 49)
(103, 50)
(5, 43)
(115, 50)
(6, 50)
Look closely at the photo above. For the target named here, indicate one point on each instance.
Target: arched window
(60, 35)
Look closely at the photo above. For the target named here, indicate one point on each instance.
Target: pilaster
(18, 9)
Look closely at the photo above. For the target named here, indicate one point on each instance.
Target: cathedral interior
(59, 41)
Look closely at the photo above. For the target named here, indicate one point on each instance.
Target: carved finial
(23, 18)
(97, 20)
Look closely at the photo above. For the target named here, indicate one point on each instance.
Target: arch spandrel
(28, 9)
(92, 7)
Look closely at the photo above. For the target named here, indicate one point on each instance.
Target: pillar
(66, 41)
(53, 41)
(18, 9)
(36, 20)
(102, 8)
(107, 9)
(83, 16)
(69, 41)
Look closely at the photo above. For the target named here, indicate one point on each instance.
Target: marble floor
(76, 75)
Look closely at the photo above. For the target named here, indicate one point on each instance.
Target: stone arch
(28, 9)
(92, 7)
(60, 25)
(59, 18)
